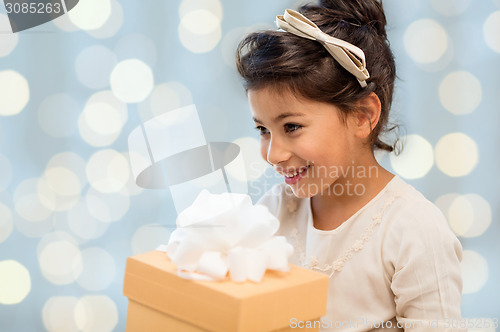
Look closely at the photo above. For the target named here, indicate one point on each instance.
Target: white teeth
(295, 173)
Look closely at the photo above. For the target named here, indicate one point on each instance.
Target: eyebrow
(281, 116)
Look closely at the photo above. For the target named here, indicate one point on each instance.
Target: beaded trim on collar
(338, 264)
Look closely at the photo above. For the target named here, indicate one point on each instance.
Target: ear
(366, 119)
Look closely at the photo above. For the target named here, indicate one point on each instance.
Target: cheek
(311, 150)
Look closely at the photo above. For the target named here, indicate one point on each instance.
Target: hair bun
(362, 12)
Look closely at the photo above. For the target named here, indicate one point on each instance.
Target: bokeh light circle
(90, 14)
(102, 118)
(107, 97)
(456, 154)
(460, 92)
(15, 92)
(15, 282)
(58, 115)
(96, 313)
(55, 236)
(425, 41)
(444, 202)
(200, 22)
(199, 43)
(132, 81)
(149, 237)
(484, 322)
(93, 138)
(8, 41)
(98, 270)
(490, 31)
(94, 65)
(416, 159)
(96, 130)
(112, 25)
(63, 181)
(166, 97)
(469, 215)
(255, 166)
(450, 8)
(212, 6)
(475, 271)
(83, 224)
(28, 203)
(6, 223)
(71, 161)
(108, 171)
(48, 187)
(61, 262)
(107, 207)
(58, 314)
(200, 28)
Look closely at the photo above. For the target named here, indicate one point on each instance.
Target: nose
(276, 151)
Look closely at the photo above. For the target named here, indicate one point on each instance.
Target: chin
(308, 190)
(303, 191)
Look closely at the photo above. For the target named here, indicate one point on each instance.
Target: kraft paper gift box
(159, 300)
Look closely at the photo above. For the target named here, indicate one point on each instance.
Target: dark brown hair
(284, 61)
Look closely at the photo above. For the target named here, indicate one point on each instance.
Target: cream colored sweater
(394, 262)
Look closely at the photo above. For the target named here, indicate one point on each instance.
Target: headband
(351, 57)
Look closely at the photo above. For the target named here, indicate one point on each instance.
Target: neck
(355, 187)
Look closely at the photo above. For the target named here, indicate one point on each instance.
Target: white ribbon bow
(351, 57)
(225, 232)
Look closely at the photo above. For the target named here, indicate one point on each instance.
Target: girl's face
(305, 140)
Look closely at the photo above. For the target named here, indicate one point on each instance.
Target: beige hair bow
(351, 57)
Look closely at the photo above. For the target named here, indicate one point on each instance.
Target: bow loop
(221, 233)
(349, 56)
(284, 25)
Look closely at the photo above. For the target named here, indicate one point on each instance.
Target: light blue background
(46, 57)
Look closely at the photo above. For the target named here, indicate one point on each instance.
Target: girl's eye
(291, 127)
(262, 130)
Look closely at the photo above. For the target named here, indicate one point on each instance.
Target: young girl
(320, 89)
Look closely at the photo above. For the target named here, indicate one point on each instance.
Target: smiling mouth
(292, 178)
(300, 171)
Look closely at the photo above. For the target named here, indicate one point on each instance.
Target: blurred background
(72, 90)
